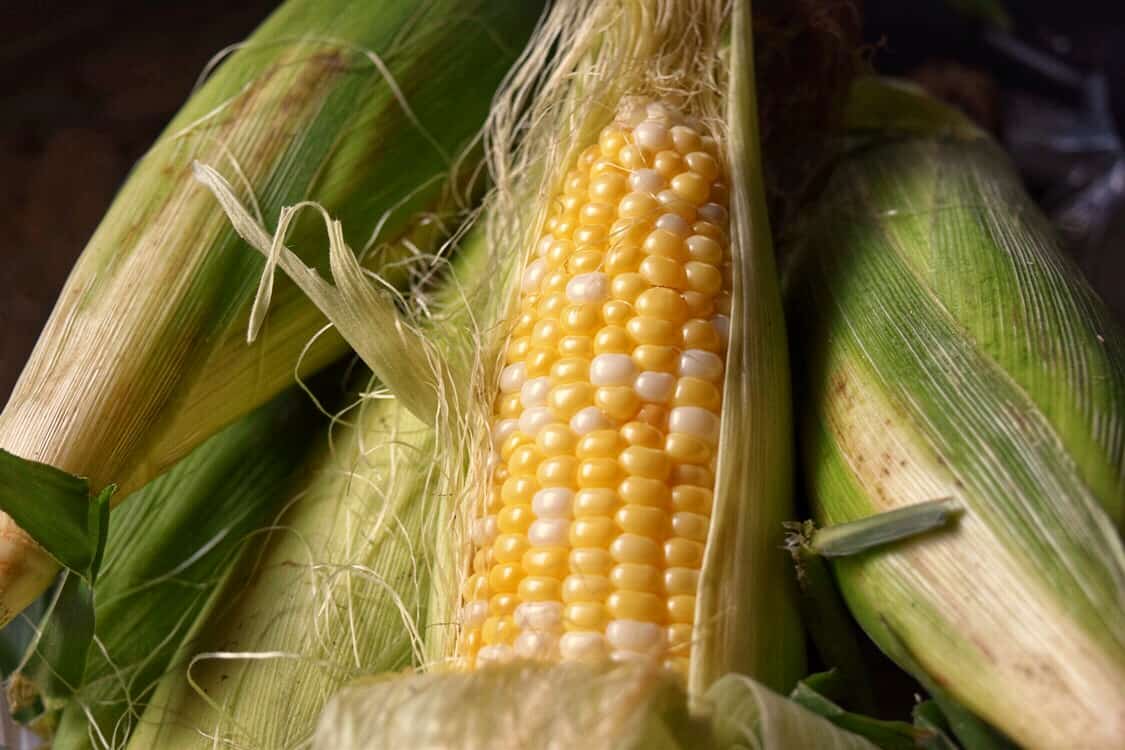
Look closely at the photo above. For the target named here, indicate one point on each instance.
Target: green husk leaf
(818, 693)
(57, 509)
(358, 106)
(568, 706)
(983, 369)
(864, 534)
(877, 106)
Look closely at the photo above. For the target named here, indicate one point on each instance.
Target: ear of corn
(949, 350)
(360, 106)
(630, 706)
(165, 554)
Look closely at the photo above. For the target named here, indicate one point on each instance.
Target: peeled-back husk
(946, 348)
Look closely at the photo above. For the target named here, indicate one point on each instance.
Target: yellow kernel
(658, 358)
(592, 532)
(708, 230)
(568, 206)
(637, 206)
(476, 587)
(681, 609)
(576, 183)
(620, 402)
(598, 472)
(645, 462)
(559, 252)
(588, 156)
(585, 616)
(505, 577)
(523, 324)
(546, 333)
(582, 319)
(686, 139)
(501, 474)
(662, 303)
(691, 526)
(556, 440)
(494, 503)
(599, 444)
(632, 157)
(679, 636)
(585, 261)
(596, 214)
(566, 400)
(595, 502)
(470, 641)
(515, 440)
(665, 244)
(502, 630)
(687, 449)
(701, 334)
(703, 164)
(692, 499)
(539, 361)
(581, 347)
(701, 277)
(671, 203)
(644, 491)
(691, 187)
(558, 471)
(698, 476)
(697, 392)
(612, 339)
(638, 578)
(562, 226)
(592, 560)
(509, 548)
(683, 553)
(722, 304)
(552, 305)
(609, 187)
(628, 286)
(720, 194)
(623, 259)
(628, 232)
(704, 249)
(615, 312)
(643, 520)
(515, 519)
(635, 605)
(518, 490)
(540, 589)
(649, 330)
(642, 434)
(585, 588)
(524, 461)
(602, 166)
(598, 235)
(509, 406)
(710, 145)
(681, 581)
(699, 305)
(668, 164)
(503, 604)
(570, 370)
(611, 140)
(661, 271)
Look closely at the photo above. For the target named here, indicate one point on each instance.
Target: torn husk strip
(344, 102)
(166, 553)
(983, 369)
(568, 707)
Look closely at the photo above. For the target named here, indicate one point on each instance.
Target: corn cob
(143, 356)
(983, 369)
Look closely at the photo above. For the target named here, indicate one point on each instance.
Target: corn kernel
(595, 502)
(631, 577)
(585, 588)
(660, 271)
(635, 605)
(643, 520)
(619, 402)
(642, 434)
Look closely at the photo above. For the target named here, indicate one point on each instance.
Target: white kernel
(647, 181)
(494, 654)
(553, 502)
(483, 532)
(713, 213)
(698, 363)
(612, 369)
(548, 532)
(694, 420)
(580, 645)
(675, 224)
(544, 616)
(474, 614)
(533, 276)
(634, 635)
(588, 287)
(722, 326)
(534, 419)
(659, 111)
(589, 419)
(534, 392)
(655, 387)
(652, 136)
(531, 644)
(502, 429)
(512, 377)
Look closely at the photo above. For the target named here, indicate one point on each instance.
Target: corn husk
(360, 106)
(167, 551)
(948, 349)
(524, 706)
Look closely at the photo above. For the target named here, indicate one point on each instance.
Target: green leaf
(876, 530)
(817, 692)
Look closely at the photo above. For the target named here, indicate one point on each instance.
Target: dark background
(86, 87)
